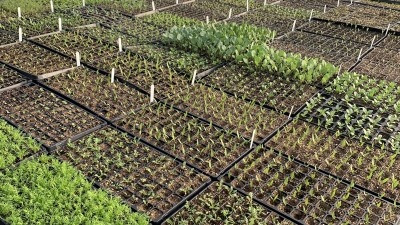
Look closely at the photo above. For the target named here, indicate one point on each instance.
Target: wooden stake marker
(59, 24)
(311, 14)
(294, 25)
(359, 55)
(20, 34)
(290, 114)
(194, 77)
(78, 59)
(152, 93)
(51, 6)
(387, 29)
(252, 138)
(120, 44)
(112, 75)
(373, 40)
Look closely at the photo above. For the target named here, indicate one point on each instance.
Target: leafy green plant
(248, 45)
(43, 191)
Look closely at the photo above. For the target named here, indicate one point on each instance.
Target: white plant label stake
(19, 13)
(112, 75)
(252, 138)
(359, 55)
(230, 13)
(120, 44)
(194, 77)
(207, 20)
(265, 2)
(78, 59)
(177, 2)
(294, 25)
(373, 40)
(312, 11)
(153, 5)
(325, 9)
(290, 114)
(20, 34)
(152, 93)
(387, 29)
(59, 24)
(247, 5)
(338, 3)
(51, 6)
(83, 3)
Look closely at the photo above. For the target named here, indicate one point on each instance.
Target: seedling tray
(391, 42)
(343, 32)
(283, 94)
(186, 138)
(381, 63)
(341, 157)
(230, 206)
(304, 194)
(45, 116)
(24, 57)
(340, 52)
(192, 10)
(131, 170)
(367, 124)
(113, 100)
(229, 112)
(10, 79)
(7, 38)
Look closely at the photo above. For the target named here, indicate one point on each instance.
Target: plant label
(59, 24)
(83, 3)
(20, 34)
(325, 9)
(252, 138)
(247, 5)
(112, 75)
(294, 25)
(372, 42)
(387, 29)
(177, 2)
(230, 13)
(120, 44)
(78, 59)
(207, 20)
(51, 6)
(290, 114)
(194, 77)
(19, 13)
(152, 93)
(338, 3)
(153, 5)
(265, 2)
(311, 14)
(359, 55)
